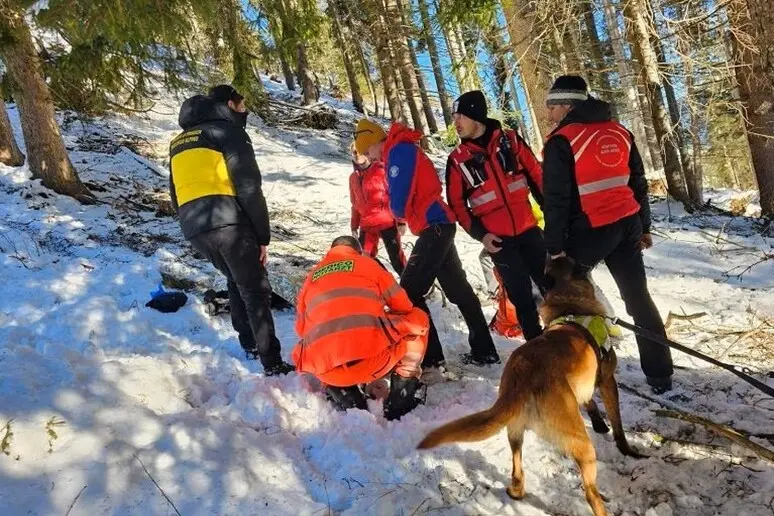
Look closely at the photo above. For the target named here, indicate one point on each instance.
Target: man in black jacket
(215, 186)
(596, 207)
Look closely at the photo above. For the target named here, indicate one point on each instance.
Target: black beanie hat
(568, 89)
(472, 104)
(224, 93)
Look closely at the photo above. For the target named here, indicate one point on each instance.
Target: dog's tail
(475, 427)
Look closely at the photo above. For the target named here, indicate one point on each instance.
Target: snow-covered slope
(104, 397)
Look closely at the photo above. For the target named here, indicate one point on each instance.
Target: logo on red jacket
(609, 150)
(394, 171)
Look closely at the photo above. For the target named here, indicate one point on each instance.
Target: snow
(173, 393)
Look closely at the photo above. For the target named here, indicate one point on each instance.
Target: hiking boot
(278, 369)
(659, 385)
(480, 360)
(405, 395)
(344, 398)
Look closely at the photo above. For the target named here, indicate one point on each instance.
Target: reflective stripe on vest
(519, 184)
(604, 184)
(482, 199)
(342, 292)
(340, 324)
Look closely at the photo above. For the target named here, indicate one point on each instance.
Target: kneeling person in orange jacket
(357, 325)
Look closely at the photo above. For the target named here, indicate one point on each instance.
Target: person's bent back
(357, 325)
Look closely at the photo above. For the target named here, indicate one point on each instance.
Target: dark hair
(348, 241)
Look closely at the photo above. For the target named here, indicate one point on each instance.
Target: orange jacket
(341, 312)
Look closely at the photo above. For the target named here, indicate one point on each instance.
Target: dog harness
(600, 329)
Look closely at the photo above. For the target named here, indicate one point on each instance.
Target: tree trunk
(524, 34)
(494, 43)
(10, 154)
(432, 49)
(305, 76)
(644, 105)
(629, 84)
(755, 76)
(346, 55)
(427, 108)
(691, 157)
(287, 71)
(599, 77)
(48, 159)
(432, 124)
(455, 46)
(640, 28)
(406, 67)
(367, 74)
(389, 82)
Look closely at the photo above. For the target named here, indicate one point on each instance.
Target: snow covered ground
(103, 397)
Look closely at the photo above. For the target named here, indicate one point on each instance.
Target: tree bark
(427, 108)
(599, 77)
(305, 76)
(10, 154)
(640, 28)
(287, 71)
(367, 74)
(525, 34)
(406, 67)
(455, 45)
(346, 56)
(432, 49)
(495, 44)
(386, 68)
(629, 84)
(48, 159)
(691, 157)
(755, 77)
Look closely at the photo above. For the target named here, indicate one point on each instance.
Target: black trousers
(391, 240)
(618, 245)
(521, 260)
(234, 251)
(435, 257)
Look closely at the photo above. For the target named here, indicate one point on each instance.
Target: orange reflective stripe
(349, 322)
(393, 290)
(336, 293)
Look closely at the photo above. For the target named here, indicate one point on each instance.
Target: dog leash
(740, 372)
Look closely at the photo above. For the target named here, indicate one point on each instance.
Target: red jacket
(370, 199)
(415, 188)
(488, 188)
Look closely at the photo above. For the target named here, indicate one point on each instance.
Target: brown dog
(544, 382)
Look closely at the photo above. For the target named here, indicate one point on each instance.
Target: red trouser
(405, 357)
(369, 239)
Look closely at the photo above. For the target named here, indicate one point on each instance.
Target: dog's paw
(516, 492)
(627, 450)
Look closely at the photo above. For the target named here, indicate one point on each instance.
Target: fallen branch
(766, 257)
(157, 485)
(675, 412)
(143, 207)
(75, 500)
(682, 317)
(723, 430)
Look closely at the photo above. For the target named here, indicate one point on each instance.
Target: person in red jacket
(356, 326)
(488, 180)
(596, 207)
(415, 196)
(371, 215)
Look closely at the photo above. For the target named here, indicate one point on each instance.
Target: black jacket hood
(200, 109)
(589, 111)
